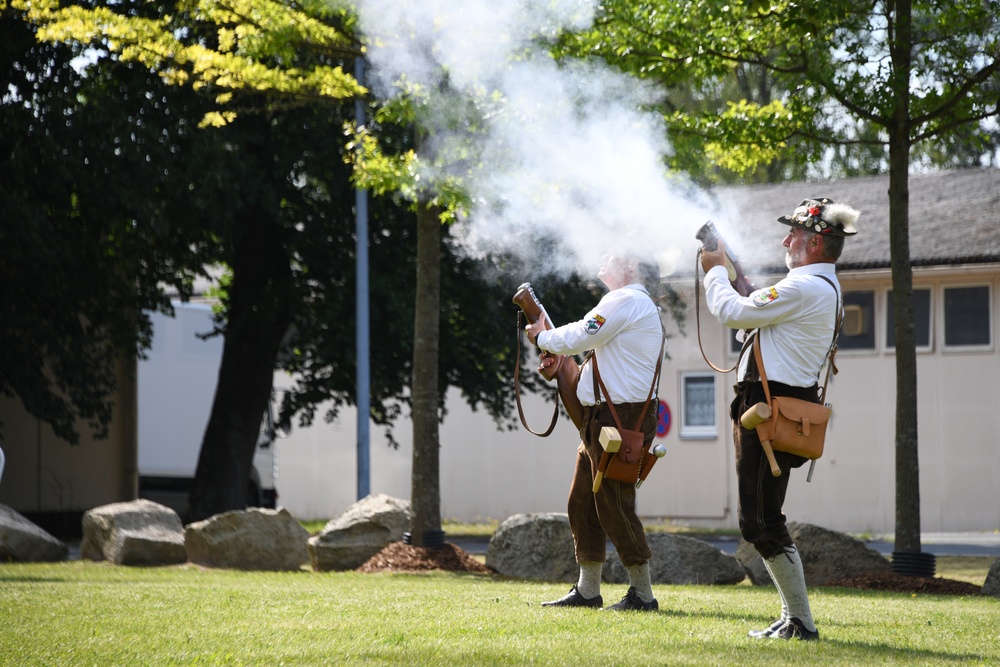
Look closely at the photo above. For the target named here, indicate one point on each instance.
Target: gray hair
(832, 246)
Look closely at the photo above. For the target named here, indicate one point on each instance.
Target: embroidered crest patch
(765, 296)
(594, 324)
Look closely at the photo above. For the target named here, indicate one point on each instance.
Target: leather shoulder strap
(652, 387)
(760, 367)
(517, 389)
(829, 355)
(832, 352)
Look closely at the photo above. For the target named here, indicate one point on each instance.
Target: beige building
(486, 473)
(54, 482)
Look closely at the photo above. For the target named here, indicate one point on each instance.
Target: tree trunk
(907, 465)
(425, 522)
(258, 317)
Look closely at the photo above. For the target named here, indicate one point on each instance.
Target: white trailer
(176, 389)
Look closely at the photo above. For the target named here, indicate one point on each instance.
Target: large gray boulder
(251, 539)
(826, 555)
(534, 546)
(992, 585)
(678, 559)
(24, 542)
(348, 540)
(139, 532)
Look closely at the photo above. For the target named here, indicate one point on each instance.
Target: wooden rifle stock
(565, 370)
(709, 237)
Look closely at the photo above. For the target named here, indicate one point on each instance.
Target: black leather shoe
(768, 631)
(632, 602)
(794, 629)
(574, 599)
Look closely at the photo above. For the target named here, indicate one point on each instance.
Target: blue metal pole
(363, 397)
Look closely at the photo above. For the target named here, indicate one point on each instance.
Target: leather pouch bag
(796, 426)
(627, 463)
(631, 447)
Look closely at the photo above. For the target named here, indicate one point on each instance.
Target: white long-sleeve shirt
(796, 317)
(624, 329)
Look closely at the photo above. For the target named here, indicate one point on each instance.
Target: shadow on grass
(13, 579)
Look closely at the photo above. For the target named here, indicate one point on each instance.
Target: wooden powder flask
(751, 419)
(611, 442)
(565, 370)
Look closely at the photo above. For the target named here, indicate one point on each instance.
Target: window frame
(873, 291)
(990, 314)
(685, 430)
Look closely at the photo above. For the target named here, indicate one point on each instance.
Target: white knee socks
(638, 578)
(786, 571)
(589, 584)
(784, 603)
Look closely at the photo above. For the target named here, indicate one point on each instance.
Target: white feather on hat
(841, 216)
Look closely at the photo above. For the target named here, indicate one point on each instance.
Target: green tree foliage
(275, 200)
(262, 65)
(244, 52)
(769, 90)
(86, 233)
(891, 82)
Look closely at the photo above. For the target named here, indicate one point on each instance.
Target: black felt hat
(823, 216)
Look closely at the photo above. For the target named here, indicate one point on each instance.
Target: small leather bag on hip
(796, 426)
(799, 426)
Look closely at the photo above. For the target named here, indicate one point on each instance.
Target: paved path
(948, 544)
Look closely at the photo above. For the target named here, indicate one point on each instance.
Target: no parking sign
(662, 419)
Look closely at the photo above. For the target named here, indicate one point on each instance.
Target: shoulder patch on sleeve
(765, 296)
(595, 323)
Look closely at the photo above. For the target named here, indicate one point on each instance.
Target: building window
(736, 344)
(858, 329)
(967, 316)
(921, 319)
(698, 418)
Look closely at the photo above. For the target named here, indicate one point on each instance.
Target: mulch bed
(401, 557)
(898, 583)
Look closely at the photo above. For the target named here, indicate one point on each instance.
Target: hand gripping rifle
(709, 237)
(565, 370)
(761, 412)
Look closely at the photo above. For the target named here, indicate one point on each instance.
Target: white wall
(176, 388)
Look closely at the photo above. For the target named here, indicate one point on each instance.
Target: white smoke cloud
(565, 151)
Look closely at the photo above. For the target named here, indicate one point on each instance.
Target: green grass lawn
(82, 613)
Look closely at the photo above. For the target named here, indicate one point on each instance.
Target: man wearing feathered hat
(795, 321)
